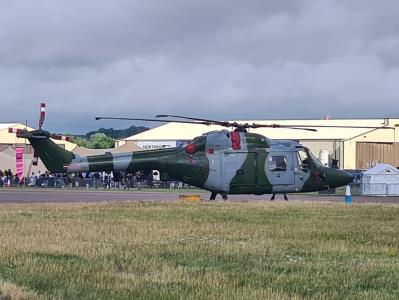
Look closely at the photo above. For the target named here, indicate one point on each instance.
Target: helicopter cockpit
(306, 159)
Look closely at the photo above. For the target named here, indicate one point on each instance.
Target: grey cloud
(218, 59)
(94, 32)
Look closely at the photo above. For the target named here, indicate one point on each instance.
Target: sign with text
(152, 145)
(19, 159)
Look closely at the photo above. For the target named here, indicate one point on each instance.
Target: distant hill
(118, 134)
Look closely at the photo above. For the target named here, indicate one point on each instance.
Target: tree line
(104, 138)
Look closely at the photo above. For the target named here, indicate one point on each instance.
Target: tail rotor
(42, 117)
(42, 114)
(15, 130)
(61, 137)
(38, 134)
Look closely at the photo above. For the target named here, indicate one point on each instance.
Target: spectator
(45, 179)
(14, 180)
(126, 180)
(97, 182)
(3, 179)
(59, 183)
(107, 181)
(9, 177)
(32, 180)
(129, 180)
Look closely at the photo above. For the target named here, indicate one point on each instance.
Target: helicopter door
(240, 171)
(280, 169)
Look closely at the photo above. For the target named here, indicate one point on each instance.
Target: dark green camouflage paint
(251, 178)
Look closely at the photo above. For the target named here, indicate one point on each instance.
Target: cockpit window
(316, 160)
(277, 163)
(303, 160)
(305, 157)
(302, 156)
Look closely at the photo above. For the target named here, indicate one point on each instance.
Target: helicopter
(222, 162)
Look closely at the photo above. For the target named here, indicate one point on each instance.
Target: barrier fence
(92, 183)
(380, 189)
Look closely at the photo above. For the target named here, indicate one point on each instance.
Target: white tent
(381, 180)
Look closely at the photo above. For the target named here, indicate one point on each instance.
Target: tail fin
(52, 155)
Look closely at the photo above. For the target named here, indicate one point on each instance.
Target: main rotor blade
(343, 126)
(254, 125)
(208, 121)
(301, 128)
(152, 120)
(318, 126)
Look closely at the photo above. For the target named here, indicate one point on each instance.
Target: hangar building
(354, 148)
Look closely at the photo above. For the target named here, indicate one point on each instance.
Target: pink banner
(19, 157)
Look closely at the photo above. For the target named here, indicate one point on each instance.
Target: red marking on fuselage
(235, 140)
(190, 148)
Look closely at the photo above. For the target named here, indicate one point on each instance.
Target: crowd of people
(75, 180)
(7, 178)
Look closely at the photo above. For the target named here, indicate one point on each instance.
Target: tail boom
(53, 156)
(59, 160)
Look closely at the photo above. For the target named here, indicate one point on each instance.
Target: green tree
(96, 141)
(118, 133)
(101, 141)
(80, 141)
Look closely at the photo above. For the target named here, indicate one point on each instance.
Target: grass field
(222, 250)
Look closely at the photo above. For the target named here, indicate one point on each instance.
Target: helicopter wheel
(214, 194)
(274, 195)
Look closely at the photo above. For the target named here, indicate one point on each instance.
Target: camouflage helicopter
(222, 162)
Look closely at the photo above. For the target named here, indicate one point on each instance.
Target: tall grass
(252, 250)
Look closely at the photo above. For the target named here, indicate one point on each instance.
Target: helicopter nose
(336, 178)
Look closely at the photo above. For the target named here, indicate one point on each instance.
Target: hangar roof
(178, 131)
(6, 125)
(382, 169)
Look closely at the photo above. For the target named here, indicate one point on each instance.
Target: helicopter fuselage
(227, 162)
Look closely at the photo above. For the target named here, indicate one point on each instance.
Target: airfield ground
(128, 248)
(82, 195)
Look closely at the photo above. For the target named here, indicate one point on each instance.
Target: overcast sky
(253, 59)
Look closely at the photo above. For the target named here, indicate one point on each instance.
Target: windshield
(312, 157)
(305, 156)
(302, 156)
